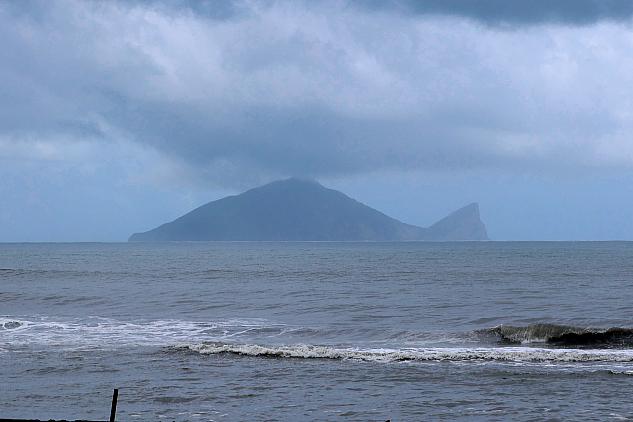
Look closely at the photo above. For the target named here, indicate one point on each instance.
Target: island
(304, 210)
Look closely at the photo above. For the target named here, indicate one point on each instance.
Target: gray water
(317, 331)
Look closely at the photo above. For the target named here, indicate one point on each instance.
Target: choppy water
(317, 331)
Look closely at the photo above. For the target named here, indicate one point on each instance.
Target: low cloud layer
(259, 90)
(503, 12)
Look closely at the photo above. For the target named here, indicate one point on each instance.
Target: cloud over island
(327, 88)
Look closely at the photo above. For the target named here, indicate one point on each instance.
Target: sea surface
(242, 331)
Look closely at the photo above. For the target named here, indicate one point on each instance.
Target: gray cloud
(259, 90)
(503, 12)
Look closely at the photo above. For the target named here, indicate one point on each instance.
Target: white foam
(504, 354)
(243, 336)
(111, 333)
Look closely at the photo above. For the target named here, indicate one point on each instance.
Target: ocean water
(317, 331)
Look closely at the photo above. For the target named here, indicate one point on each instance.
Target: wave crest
(503, 354)
(563, 335)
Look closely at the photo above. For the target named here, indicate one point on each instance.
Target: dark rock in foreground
(296, 209)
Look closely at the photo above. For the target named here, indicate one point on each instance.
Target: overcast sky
(118, 116)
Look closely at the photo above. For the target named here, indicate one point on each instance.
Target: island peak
(303, 209)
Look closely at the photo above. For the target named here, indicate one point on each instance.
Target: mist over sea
(199, 331)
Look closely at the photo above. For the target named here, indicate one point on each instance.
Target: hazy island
(297, 209)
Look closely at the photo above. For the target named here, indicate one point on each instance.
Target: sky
(116, 117)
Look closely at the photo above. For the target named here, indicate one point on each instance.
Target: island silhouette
(298, 209)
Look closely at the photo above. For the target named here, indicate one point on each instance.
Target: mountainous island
(297, 209)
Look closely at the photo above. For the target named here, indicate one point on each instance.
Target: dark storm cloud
(306, 141)
(318, 89)
(510, 12)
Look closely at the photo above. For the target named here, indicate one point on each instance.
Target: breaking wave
(502, 354)
(104, 333)
(563, 335)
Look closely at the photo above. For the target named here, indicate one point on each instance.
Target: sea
(317, 331)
